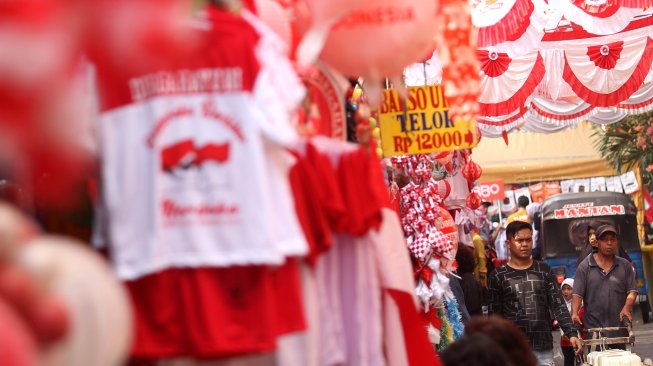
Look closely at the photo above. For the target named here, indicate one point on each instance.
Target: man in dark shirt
(592, 247)
(605, 284)
(525, 291)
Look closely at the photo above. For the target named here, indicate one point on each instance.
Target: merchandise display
(289, 182)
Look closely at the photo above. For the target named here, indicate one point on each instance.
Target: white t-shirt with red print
(194, 167)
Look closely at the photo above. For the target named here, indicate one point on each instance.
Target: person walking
(472, 289)
(480, 269)
(605, 284)
(521, 214)
(526, 292)
(592, 247)
(566, 347)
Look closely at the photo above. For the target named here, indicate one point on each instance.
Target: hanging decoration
(501, 21)
(315, 19)
(444, 188)
(514, 27)
(585, 77)
(608, 73)
(456, 47)
(430, 230)
(602, 18)
(473, 201)
(353, 45)
(454, 318)
(472, 171)
(507, 83)
(446, 333)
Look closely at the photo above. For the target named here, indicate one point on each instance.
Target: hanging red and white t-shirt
(186, 176)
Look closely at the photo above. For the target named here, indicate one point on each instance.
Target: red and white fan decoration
(577, 75)
(506, 83)
(607, 73)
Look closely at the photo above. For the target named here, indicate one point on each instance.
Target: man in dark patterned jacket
(525, 291)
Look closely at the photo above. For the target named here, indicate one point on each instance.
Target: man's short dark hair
(515, 226)
(523, 201)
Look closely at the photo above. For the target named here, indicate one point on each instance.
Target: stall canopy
(533, 157)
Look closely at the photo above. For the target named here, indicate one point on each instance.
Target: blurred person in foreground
(507, 336)
(605, 284)
(475, 350)
(525, 291)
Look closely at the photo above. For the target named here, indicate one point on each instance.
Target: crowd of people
(512, 305)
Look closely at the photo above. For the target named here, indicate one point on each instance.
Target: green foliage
(628, 144)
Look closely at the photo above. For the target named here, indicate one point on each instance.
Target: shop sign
(491, 191)
(420, 124)
(588, 209)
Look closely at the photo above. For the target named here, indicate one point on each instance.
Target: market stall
(284, 181)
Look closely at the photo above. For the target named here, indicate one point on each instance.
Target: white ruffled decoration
(595, 24)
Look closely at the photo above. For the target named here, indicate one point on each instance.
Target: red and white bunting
(597, 17)
(507, 83)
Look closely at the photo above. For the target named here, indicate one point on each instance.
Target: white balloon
(99, 309)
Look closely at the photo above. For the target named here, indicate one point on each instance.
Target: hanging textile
(511, 27)
(606, 17)
(605, 73)
(502, 21)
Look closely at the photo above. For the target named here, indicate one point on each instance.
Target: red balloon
(381, 37)
(274, 16)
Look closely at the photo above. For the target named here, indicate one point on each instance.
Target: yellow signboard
(420, 124)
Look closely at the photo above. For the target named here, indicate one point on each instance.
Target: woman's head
(466, 258)
(591, 232)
